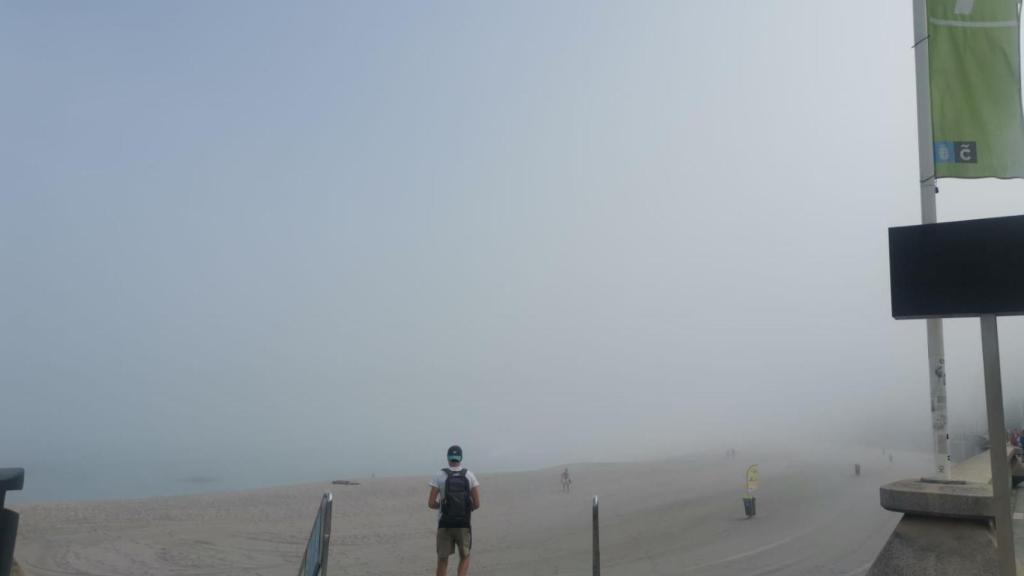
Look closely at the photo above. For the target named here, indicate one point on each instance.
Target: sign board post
(997, 441)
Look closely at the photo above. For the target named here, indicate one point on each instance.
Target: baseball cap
(455, 454)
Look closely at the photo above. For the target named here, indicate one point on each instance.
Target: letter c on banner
(965, 153)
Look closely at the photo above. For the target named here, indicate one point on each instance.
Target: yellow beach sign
(752, 479)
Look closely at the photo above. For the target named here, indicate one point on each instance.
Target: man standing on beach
(455, 494)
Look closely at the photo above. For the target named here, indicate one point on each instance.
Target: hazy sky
(291, 241)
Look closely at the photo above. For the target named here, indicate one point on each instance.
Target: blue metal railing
(314, 560)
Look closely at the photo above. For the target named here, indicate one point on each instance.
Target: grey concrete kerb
(969, 495)
(968, 500)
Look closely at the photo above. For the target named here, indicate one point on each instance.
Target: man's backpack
(457, 504)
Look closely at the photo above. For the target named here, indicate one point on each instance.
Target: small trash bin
(750, 506)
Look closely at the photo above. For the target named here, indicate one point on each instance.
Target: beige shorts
(448, 538)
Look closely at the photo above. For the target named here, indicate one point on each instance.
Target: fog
(264, 244)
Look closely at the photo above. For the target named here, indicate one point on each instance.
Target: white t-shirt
(439, 479)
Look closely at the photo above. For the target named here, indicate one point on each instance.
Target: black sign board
(957, 269)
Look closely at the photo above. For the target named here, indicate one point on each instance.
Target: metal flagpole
(929, 215)
(997, 443)
(597, 543)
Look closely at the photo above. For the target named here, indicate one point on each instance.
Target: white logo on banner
(964, 7)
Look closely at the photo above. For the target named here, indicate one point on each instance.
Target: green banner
(974, 64)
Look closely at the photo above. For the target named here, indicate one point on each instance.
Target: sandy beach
(679, 516)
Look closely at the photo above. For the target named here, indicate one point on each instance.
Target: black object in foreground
(10, 479)
(958, 269)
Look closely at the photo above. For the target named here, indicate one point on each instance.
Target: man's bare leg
(442, 567)
(463, 565)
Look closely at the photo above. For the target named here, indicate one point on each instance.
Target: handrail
(597, 542)
(978, 468)
(314, 559)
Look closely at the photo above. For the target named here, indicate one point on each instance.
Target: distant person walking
(455, 494)
(566, 480)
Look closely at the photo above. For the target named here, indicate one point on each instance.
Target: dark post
(597, 543)
(10, 479)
